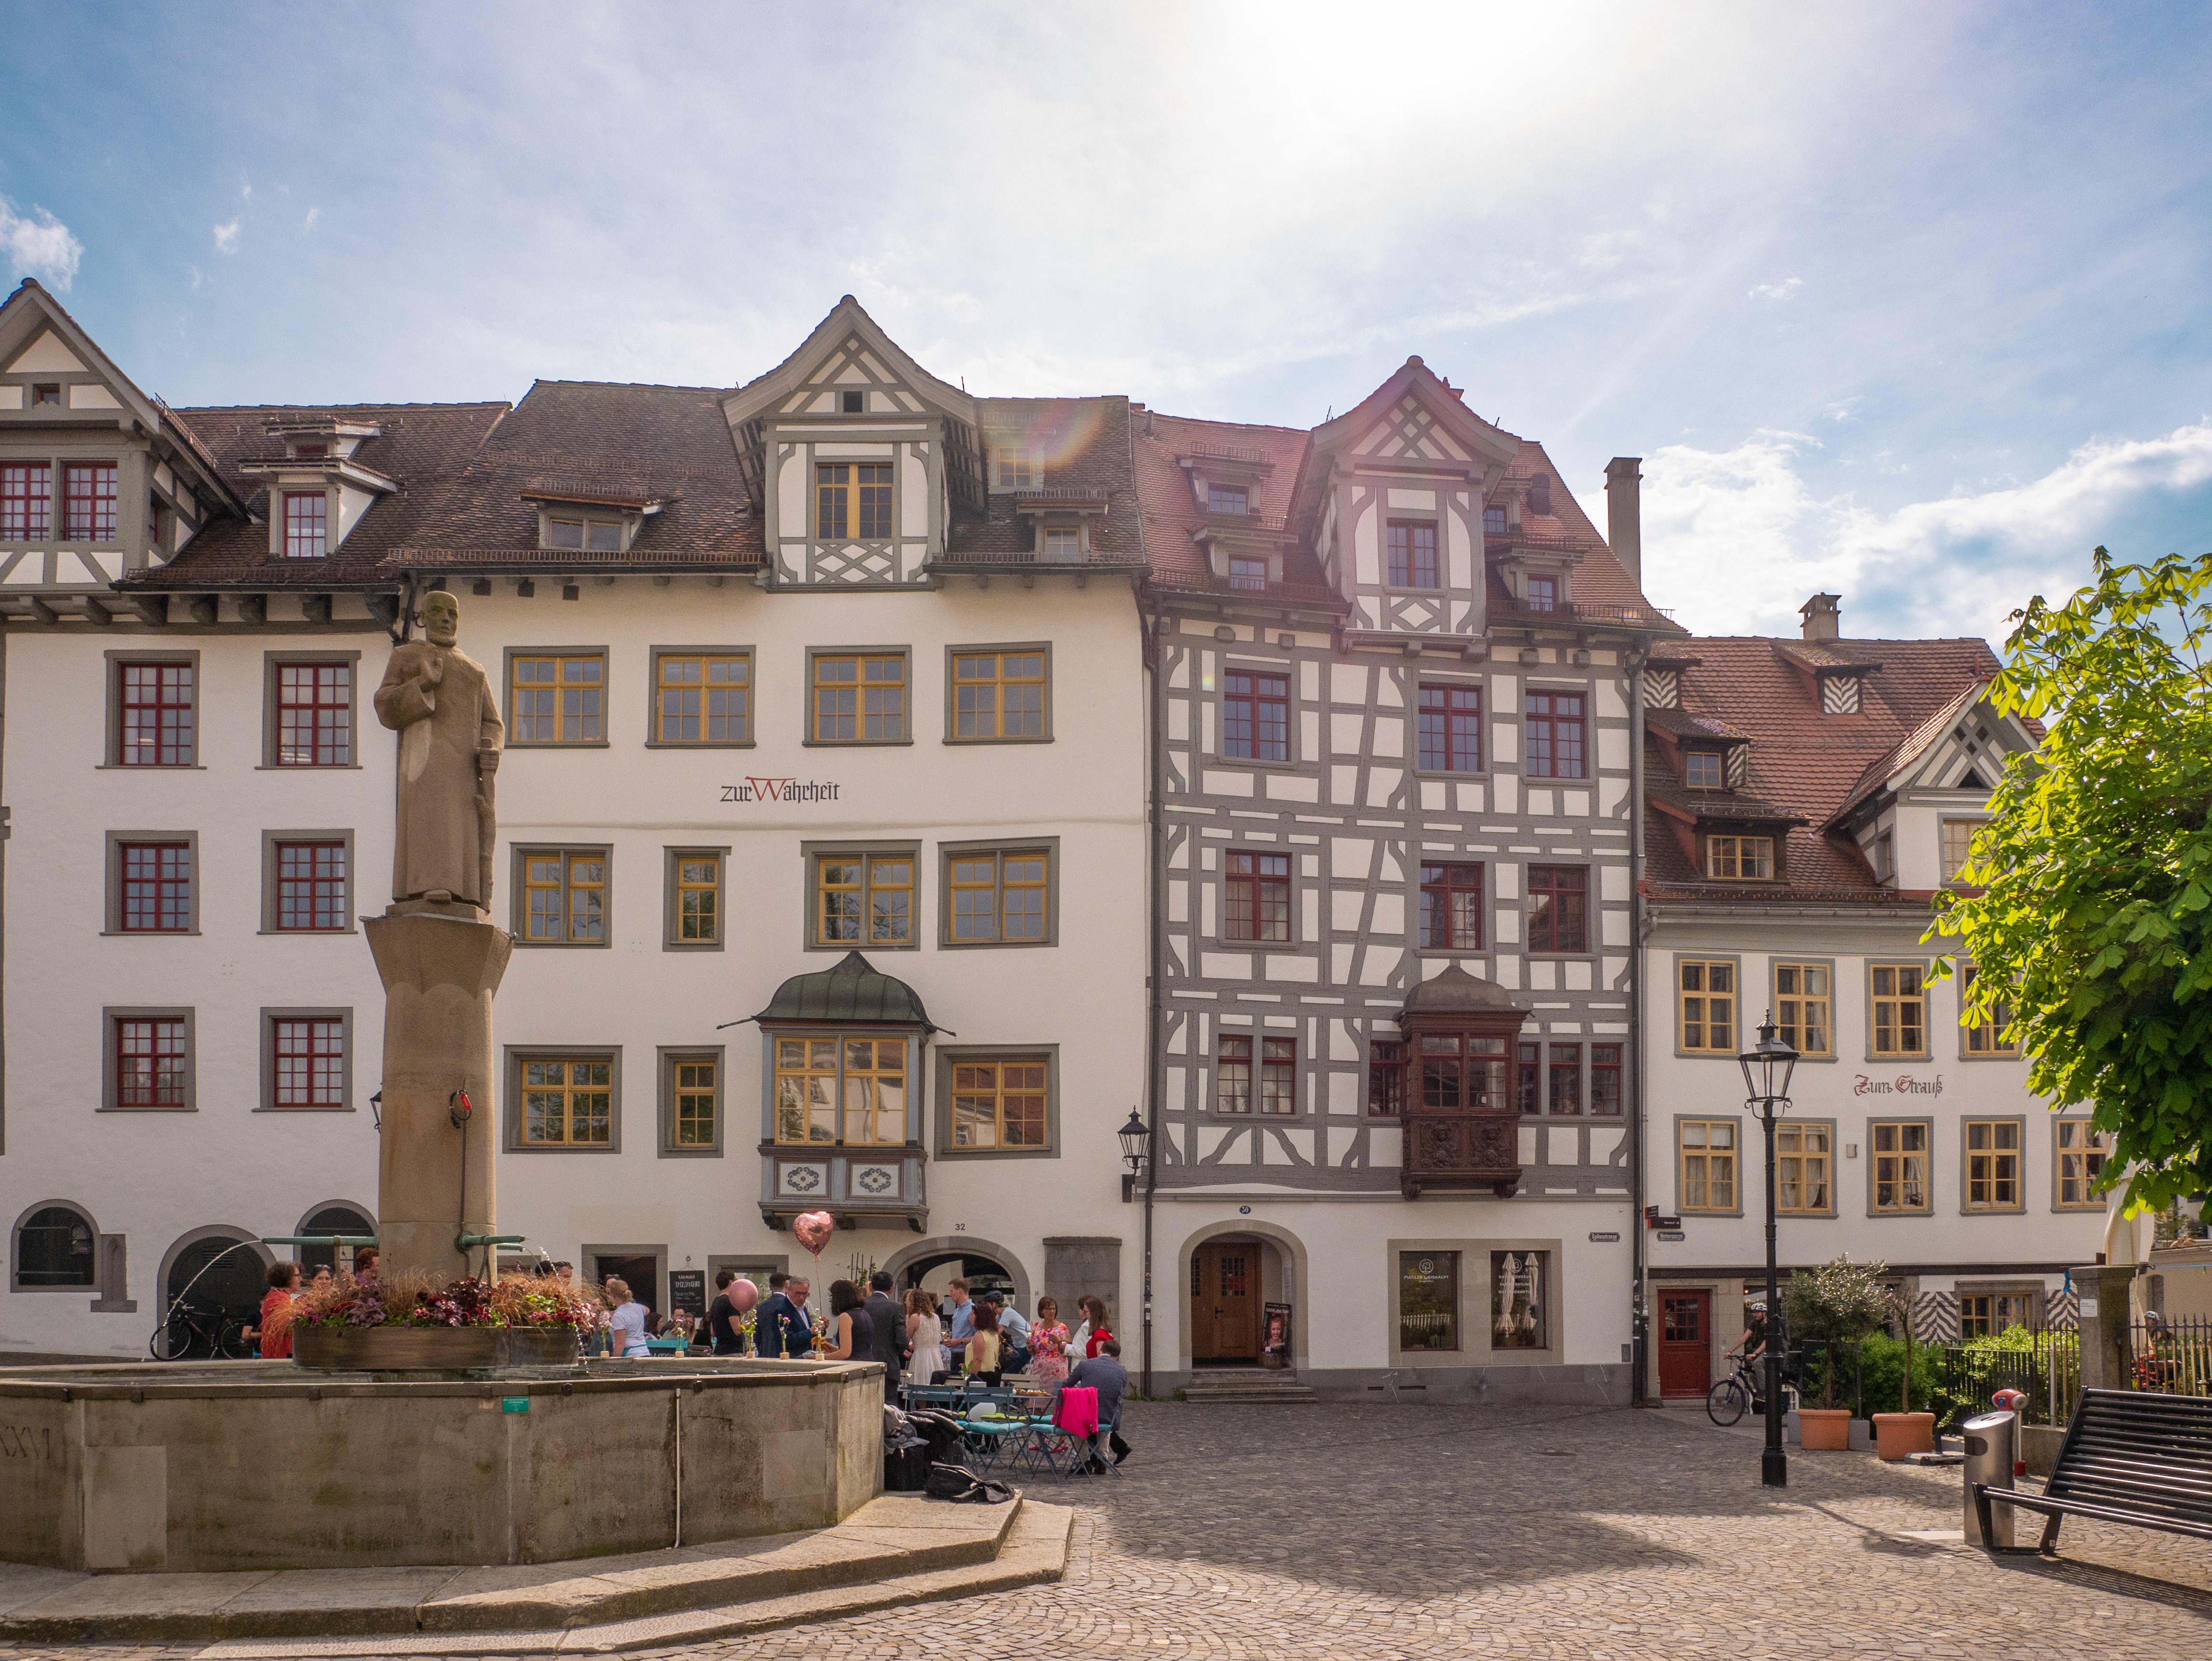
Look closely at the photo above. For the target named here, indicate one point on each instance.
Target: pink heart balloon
(743, 1295)
(813, 1229)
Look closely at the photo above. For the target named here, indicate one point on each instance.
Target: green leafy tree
(2089, 894)
(1838, 1302)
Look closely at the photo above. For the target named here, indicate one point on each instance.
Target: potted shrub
(1899, 1434)
(1837, 1302)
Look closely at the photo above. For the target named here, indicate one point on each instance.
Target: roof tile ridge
(635, 386)
(1254, 426)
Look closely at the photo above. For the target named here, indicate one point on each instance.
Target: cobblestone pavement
(1253, 1533)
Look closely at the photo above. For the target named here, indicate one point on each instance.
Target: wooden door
(1686, 1343)
(1225, 1304)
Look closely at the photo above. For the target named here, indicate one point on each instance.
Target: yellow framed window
(1739, 858)
(1986, 1314)
(998, 694)
(864, 898)
(1992, 1164)
(569, 1103)
(1701, 769)
(1991, 1037)
(999, 1104)
(1802, 1167)
(565, 896)
(1900, 1166)
(1804, 1008)
(698, 898)
(558, 700)
(859, 699)
(875, 1092)
(694, 1097)
(1958, 845)
(1900, 1009)
(853, 502)
(806, 1090)
(1708, 1164)
(704, 700)
(1018, 468)
(2081, 1161)
(998, 897)
(1707, 995)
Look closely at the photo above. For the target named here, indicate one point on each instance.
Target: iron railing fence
(2171, 1356)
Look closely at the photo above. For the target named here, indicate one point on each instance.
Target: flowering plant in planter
(1837, 1302)
(416, 1300)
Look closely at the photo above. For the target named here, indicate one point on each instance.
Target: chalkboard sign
(687, 1289)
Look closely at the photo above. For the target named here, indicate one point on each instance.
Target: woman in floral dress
(1048, 1345)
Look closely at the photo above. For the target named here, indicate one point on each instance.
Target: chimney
(1823, 619)
(1623, 515)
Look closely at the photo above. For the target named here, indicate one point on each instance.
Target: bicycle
(193, 1330)
(1735, 1394)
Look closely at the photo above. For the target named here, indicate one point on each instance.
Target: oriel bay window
(1255, 716)
(858, 698)
(1256, 898)
(1451, 729)
(703, 698)
(998, 694)
(1899, 994)
(1708, 1171)
(1553, 727)
(1278, 1092)
(1558, 915)
(1451, 908)
(863, 898)
(853, 502)
(557, 699)
(997, 897)
(563, 898)
(845, 1092)
(1462, 1071)
(1707, 1004)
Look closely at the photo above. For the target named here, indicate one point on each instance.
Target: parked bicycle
(196, 1333)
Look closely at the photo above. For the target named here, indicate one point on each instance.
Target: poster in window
(1518, 1311)
(1428, 1300)
(1274, 1335)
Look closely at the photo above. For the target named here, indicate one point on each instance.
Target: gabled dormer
(856, 458)
(1393, 496)
(575, 515)
(1914, 810)
(97, 479)
(317, 489)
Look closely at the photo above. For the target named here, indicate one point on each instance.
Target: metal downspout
(1639, 1315)
(1156, 1014)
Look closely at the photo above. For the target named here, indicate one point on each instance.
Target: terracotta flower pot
(1827, 1429)
(1896, 1434)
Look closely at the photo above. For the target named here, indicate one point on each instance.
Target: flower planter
(391, 1348)
(1825, 1429)
(1897, 1434)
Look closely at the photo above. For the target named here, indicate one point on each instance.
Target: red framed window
(27, 502)
(1255, 717)
(1277, 1076)
(88, 502)
(315, 714)
(157, 887)
(1529, 1077)
(306, 525)
(1543, 594)
(155, 710)
(1258, 901)
(311, 886)
(1386, 1077)
(1567, 1079)
(1451, 908)
(1605, 1080)
(1555, 736)
(1451, 729)
(1412, 554)
(151, 1059)
(1559, 911)
(310, 1062)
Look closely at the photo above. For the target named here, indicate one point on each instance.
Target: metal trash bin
(1992, 1447)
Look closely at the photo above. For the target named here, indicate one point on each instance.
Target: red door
(1686, 1343)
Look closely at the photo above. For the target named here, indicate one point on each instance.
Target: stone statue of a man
(438, 700)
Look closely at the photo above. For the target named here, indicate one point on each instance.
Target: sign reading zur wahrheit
(763, 791)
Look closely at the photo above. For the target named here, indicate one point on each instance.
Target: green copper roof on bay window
(851, 991)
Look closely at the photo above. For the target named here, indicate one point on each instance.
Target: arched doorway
(1241, 1288)
(226, 1269)
(984, 1264)
(338, 1217)
(54, 1243)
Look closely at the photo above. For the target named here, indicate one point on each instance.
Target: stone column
(2103, 1290)
(440, 964)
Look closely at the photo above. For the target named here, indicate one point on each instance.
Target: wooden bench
(2132, 1457)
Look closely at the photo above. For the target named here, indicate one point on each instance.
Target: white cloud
(313, 213)
(39, 244)
(1781, 291)
(226, 237)
(1734, 539)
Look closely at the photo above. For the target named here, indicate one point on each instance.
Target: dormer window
(850, 403)
(1228, 499)
(306, 525)
(1701, 769)
(853, 502)
(1248, 573)
(1412, 551)
(592, 535)
(1063, 543)
(1018, 468)
(1739, 858)
(311, 452)
(1493, 521)
(1542, 594)
(1539, 493)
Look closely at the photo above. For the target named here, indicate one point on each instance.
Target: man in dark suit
(1104, 1373)
(888, 1324)
(774, 1314)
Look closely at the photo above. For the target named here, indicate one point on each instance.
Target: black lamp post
(1767, 1066)
(1136, 1137)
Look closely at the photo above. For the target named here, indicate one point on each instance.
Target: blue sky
(1908, 302)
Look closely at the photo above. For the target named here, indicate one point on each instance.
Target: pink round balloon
(743, 1295)
(812, 1230)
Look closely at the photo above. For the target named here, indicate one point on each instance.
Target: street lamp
(1135, 1137)
(1767, 1066)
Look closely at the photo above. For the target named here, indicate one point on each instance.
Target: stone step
(1246, 1384)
